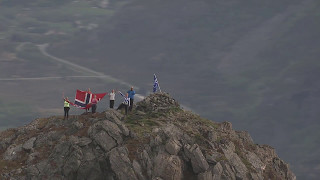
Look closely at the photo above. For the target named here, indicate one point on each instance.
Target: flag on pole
(155, 84)
(83, 99)
(126, 99)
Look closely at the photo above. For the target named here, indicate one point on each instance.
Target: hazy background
(253, 63)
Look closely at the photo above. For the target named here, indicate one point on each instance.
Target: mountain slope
(157, 141)
(252, 63)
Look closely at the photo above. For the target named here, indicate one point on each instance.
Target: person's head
(95, 96)
(113, 90)
(89, 90)
(127, 95)
(66, 98)
(131, 88)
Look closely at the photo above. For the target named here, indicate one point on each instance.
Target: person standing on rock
(131, 94)
(89, 92)
(66, 108)
(112, 96)
(94, 102)
(125, 104)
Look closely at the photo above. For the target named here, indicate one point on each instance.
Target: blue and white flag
(126, 99)
(155, 83)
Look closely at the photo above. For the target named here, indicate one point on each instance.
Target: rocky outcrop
(158, 140)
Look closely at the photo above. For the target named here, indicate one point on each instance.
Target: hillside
(158, 140)
(248, 62)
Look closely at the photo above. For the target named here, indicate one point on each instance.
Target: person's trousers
(66, 112)
(111, 104)
(131, 104)
(123, 106)
(94, 107)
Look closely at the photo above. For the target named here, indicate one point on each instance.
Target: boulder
(121, 165)
(137, 169)
(173, 146)
(205, 176)
(29, 144)
(168, 167)
(198, 161)
(12, 152)
(105, 141)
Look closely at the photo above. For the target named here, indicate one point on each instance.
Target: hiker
(112, 96)
(66, 108)
(125, 104)
(131, 94)
(89, 92)
(94, 102)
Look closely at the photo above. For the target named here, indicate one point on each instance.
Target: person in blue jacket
(131, 94)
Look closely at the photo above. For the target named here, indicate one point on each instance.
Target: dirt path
(90, 72)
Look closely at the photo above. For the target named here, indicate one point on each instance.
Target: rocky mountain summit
(158, 140)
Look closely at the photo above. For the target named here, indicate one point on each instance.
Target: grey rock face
(198, 161)
(168, 167)
(121, 165)
(29, 144)
(12, 152)
(171, 144)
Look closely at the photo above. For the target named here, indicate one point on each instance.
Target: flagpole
(158, 82)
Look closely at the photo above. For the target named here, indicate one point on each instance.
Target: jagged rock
(137, 169)
(255, 161)
(32, 171)
(217, 171)
(95, 147)
(146, 162)
(159, 102)
(205, 176)
(84, 141)
(226, 126)
(32, 157)
(228, 171)
(77, 125)
(29, 144)
(12, 152)
(121, 165)
(113, 115)
(213, 158)
(168, 167)
(245, 137)
(282, 169)
(173, 146)
(229, 152)
(72, 163)
(156, 141)
(198, 161)
(108, 127)
(105, 141)
(212, 136)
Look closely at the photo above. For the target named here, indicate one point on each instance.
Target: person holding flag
(125, 104)
(155, 84)
(94, 103)
(87, 102)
